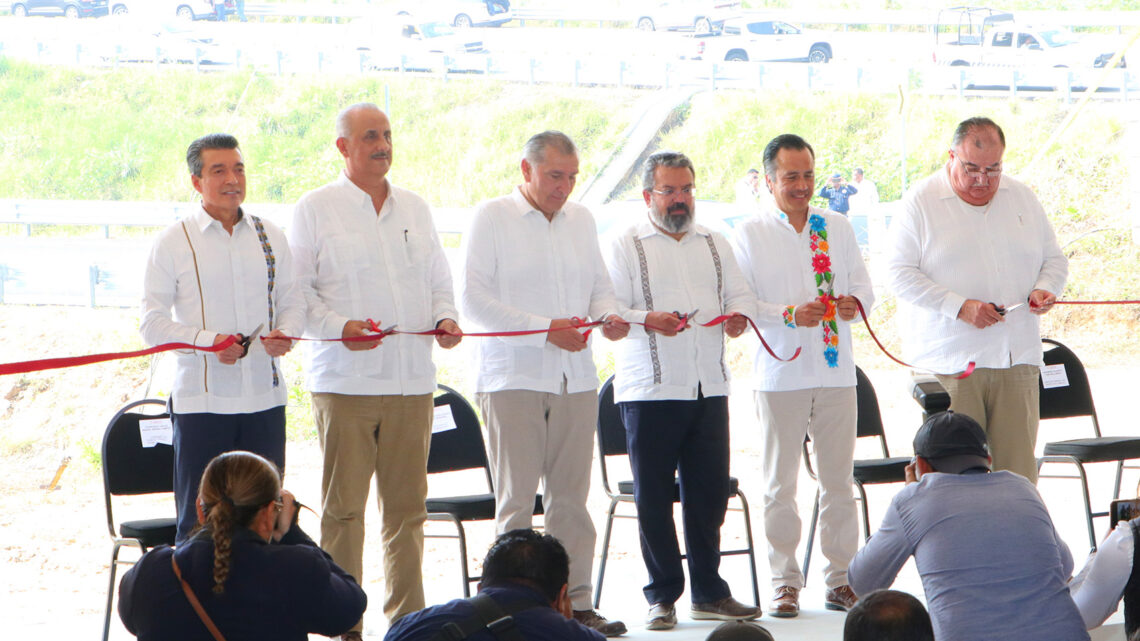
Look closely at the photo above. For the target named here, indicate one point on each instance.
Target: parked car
(743, 39)
(703, 16)
(415, 45)
(161, 9)
(461, 13)
(69, 8)
(970, 36)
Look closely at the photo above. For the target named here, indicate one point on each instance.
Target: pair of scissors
(685, 318)
(245, 339)
(1005, 310)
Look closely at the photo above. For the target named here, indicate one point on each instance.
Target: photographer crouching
(247, 573)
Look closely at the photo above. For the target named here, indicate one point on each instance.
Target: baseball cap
(952, 443)
(836, 176)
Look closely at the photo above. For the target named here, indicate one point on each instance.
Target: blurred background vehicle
(744, 39)
(972, 36)
(701, 16)
(69, 8)
(161, 9)
(461, 13)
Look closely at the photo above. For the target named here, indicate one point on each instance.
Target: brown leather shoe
(726, 609)
(785, 602)
(591, 619)
(841, 598)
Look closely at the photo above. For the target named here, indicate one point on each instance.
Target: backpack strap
(488, 615)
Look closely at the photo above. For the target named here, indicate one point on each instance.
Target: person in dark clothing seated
(254, 572)
(888, 615)
(740, 631)
(525, 576)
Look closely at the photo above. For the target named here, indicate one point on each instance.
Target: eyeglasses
(278, 504)
(976, 173)
(670, 192)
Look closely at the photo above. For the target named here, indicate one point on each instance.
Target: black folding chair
(129, 469)
(1074, 400)
(456, 450)
(611, 442)
(888, 469)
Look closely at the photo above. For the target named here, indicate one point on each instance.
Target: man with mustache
(970, 243)
(671, 384)
(367, 251)
(218, 273)
(808, 275)
(532, 262)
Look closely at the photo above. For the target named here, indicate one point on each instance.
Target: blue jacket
(538, 623)
(278, 592)
(838, 197)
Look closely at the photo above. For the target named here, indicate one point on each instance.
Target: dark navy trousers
(686, 440)
(198, 438)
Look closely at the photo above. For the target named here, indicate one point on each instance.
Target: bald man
(366, 249)
(974, 262)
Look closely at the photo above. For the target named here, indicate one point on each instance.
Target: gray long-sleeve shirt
(991, 562)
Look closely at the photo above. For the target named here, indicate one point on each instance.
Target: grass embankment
(83, 134)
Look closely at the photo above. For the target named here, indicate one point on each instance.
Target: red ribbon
(724, 317)
(75, 361)
(969, 366)
(1094, 302)
(575, 323)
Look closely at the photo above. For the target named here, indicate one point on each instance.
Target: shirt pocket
(347, 254)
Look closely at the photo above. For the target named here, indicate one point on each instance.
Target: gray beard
(671, 223)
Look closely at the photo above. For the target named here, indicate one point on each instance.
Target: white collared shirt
(944, 251)
(522, 271)
(201, 281)
(356, 264)
(778, 264)
(653, 272)
(866, 199)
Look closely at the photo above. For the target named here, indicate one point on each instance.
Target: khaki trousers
(389, 437)
(1005, 402)
(535, 436)
(828, 415)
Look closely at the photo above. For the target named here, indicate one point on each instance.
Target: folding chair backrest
(461, 448)
(870, 420)
(128, 467)
(1074, 399)
(611, 430)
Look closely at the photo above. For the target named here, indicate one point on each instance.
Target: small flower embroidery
(831, 355)
(829, 315)
(821, 266)
(790, 316)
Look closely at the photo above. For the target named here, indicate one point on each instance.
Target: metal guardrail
(648, 71)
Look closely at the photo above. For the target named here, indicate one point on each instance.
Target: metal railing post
(92, 283)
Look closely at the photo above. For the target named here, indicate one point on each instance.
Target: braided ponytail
(234, 488)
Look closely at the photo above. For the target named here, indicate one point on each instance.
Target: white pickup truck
(997, 40)
(744, 39)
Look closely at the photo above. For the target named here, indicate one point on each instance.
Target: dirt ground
(54, 543)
